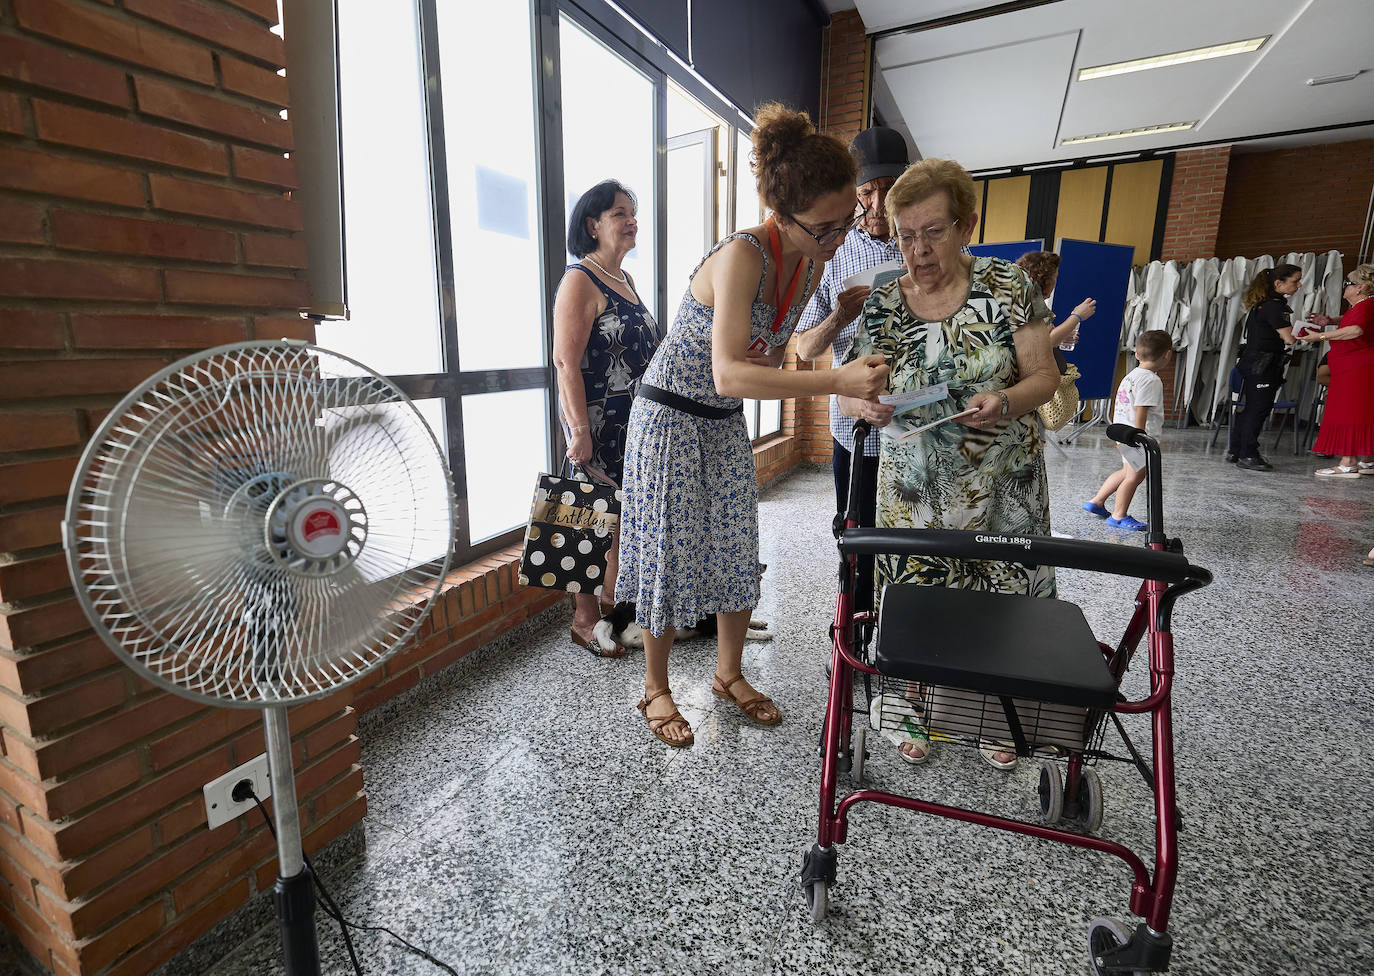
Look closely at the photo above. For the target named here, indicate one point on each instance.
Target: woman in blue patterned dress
(689, 542)
(980, 326)
(603, 338)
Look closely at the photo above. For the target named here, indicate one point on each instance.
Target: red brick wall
(1312, 198)
(1195, 204)
(844, 104)
(144, 214)
(844, 76)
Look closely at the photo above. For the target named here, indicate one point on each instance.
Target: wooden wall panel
(1008, 200)
(1081, 191)
(1134, 205)
(979, 189)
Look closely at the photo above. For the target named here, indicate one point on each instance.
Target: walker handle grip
(1125, 434)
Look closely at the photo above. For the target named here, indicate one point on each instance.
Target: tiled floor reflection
(526, 822)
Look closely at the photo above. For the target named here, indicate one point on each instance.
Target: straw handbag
(1064, 404)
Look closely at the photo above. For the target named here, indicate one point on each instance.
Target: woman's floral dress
(689, 529)
(952, 476)
(621, 343)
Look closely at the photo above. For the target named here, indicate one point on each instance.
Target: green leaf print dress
(952, 476)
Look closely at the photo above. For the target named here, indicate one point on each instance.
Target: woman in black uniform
(1268, 333)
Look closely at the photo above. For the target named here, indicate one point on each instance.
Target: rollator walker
(973, 667)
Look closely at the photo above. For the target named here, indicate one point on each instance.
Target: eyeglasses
(936, 234)
(1347, 283)
(834, 233)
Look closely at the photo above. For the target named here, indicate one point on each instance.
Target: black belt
(670, 399)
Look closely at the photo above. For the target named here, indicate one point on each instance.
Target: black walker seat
(998, 644)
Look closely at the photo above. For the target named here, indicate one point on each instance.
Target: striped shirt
(859, 252)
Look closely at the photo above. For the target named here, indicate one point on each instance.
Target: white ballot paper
(910, 400)
(868, 277)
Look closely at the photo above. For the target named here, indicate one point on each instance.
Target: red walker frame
(1147, 950)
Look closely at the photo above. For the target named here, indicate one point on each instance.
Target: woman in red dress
(1348, 422)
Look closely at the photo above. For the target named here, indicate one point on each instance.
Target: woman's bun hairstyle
(794, 164)
(1262, 285)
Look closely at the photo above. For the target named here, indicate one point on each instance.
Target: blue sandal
(1095, 509)
(1126, 522)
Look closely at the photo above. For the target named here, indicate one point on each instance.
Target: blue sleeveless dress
(689, 529)
(622, 341)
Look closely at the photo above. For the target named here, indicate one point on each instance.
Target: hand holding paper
(867, 278)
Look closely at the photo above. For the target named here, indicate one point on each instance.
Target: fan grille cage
(172, 550)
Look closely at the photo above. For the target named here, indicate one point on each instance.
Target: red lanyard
(783, 302)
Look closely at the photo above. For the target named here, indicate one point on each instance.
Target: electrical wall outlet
(220, 805)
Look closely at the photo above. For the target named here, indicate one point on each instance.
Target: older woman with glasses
(1348, 419)
(977, 326)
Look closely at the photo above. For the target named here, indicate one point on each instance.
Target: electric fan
(256, 526)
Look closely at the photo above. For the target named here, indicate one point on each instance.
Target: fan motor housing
(316, 528)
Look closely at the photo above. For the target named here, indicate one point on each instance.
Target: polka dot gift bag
(572, 526)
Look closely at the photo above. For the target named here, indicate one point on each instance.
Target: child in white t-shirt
(1140, 403)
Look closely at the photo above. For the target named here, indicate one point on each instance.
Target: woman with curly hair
(1043, 268)
(689, 543)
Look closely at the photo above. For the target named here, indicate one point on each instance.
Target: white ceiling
(1001, 91)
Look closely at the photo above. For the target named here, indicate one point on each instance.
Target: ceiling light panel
(1168, 60)
(1144, 130)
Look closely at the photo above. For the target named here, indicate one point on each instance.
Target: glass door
(691, 209)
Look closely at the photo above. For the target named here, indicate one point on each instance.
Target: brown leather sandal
(750, 707)
(656, 724)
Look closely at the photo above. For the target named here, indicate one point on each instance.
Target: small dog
(619, 627)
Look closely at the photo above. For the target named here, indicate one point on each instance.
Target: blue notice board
(1088, 269)
(1010, 250)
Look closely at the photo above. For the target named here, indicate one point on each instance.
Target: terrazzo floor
(523, 820)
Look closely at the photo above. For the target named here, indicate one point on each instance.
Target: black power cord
(243, 790)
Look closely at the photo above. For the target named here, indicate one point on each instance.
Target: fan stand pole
(294, 891)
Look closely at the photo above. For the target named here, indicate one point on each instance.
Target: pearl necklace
(620, 278)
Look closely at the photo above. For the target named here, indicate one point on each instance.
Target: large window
(608, 133)
(462, 152)
(442, 237)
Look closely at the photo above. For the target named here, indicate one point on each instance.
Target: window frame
(451, 383)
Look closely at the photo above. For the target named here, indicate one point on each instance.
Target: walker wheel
(1089, 813)
(1051, 792)
(818, 900)
(860, 755)
(1104, 935)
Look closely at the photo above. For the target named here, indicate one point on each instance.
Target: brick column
(145, 213)
(844, 99)
(1195, 199)
(844, 76)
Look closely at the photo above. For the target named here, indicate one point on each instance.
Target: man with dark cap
(832, 317)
